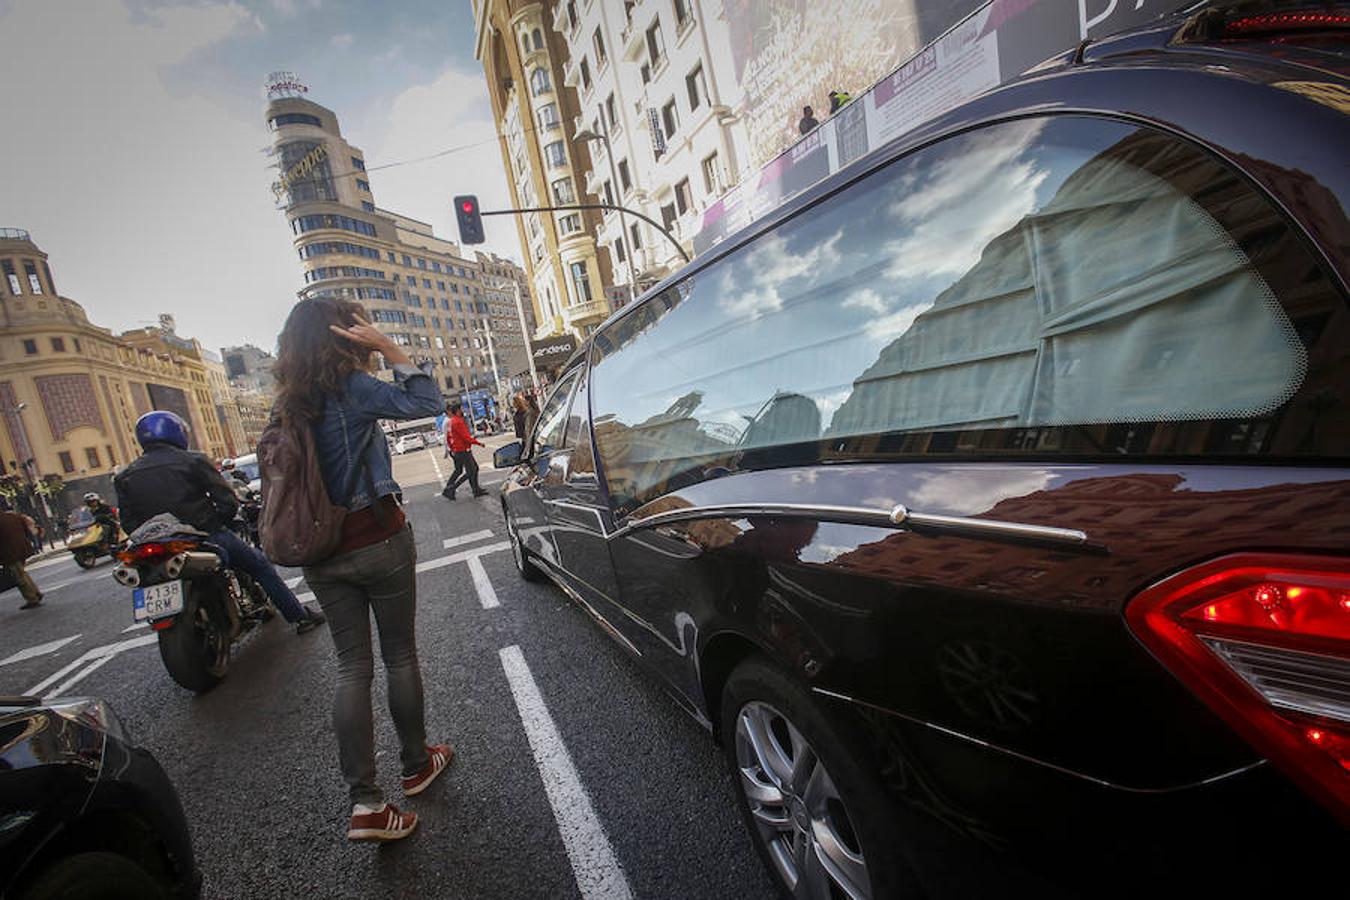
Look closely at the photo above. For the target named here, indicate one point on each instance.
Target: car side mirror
(509, 455)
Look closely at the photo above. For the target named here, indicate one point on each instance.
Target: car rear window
(1052, 285)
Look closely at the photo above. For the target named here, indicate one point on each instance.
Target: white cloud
(149, 195)
(974, 491)
(450, 111)
(341, 41)
(751, 287)
(289, 9)
(866, 298)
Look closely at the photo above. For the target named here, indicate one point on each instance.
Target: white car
(409, 442)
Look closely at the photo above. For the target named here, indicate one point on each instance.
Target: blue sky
(136, 159)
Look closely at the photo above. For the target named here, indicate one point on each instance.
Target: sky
(135, 152)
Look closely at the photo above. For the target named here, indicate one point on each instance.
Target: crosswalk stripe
(462, 539)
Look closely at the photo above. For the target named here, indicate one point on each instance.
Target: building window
(295, 119)
(585, 70)
(712, 176)
(58, 345)
(391, 255)
(12, 277)
(91, 457)
(581, 281)
(608, 189)
(600, 56)
(619, 251)
(538, 39)
(367, 206)
(31, 271)
(358, 163)
(625, 180)
(407, 260)
(422, 264)
(539, 81)
(30, 348)
(670, 119)
(555, 154)
(569, 224)
(572, 19)
(656, 46)
(684, 200)
(562, 191)
(636, 234)
(697, 87)
(77, 346)
(67, 462)
(611, 113)
(682, 17)
(548, 117)
(668, 215)
(363, 185)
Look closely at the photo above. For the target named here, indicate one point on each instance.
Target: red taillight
(150, 553)
(1291, 21)
(1264, 641)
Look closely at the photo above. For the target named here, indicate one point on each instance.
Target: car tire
(94, 876)
(844, 815)
(519, 555)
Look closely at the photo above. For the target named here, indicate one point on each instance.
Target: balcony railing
(14, 234)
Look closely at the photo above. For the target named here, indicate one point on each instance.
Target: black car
(84, 815)
(990, 503)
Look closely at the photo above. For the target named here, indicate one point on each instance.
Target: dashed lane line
(594, 866)
(486, 595)
(97, 654)
(39, 650)
(436, 464)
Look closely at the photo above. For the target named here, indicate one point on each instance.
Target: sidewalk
(48, 552)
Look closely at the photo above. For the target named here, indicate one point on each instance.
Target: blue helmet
(160, 427)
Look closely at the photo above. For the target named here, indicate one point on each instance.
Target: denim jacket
(348, 418)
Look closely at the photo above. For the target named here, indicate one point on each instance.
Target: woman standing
(323, 375)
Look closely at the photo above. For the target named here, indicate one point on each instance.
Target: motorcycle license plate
(157, 601)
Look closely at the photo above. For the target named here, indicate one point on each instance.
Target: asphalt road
(590, 783)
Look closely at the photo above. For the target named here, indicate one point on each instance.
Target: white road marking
(81, 675)
(50, 561)
(486, 595)
(443, 561)
(39, 650)
(292, 582)
(436, 464)
(466, 538)
(108, 650)
(135, 625)
(597, 871)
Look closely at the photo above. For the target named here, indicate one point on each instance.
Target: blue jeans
(246, 559)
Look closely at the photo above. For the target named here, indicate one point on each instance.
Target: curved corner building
(416, 286)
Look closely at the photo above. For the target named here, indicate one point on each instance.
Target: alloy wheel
(797, 810)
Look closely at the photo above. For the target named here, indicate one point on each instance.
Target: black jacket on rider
(168, 480)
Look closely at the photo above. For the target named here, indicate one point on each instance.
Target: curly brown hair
(312, 362)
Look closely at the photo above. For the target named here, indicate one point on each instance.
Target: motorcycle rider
(169, 478)
(105, 517)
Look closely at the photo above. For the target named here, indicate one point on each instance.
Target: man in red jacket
(460, 440)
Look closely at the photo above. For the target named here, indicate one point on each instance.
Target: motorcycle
(88, 541)
(196, 606)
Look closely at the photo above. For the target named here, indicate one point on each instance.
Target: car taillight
(149, 553)
(1264, 641)
(1286, 22)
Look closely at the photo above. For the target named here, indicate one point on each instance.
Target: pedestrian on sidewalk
(459, 443)
(323, 375)
(17, 534)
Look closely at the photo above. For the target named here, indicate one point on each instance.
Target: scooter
(91, 543)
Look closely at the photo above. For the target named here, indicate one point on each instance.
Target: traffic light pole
(623, 209)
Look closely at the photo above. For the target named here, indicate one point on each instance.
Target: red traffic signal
(470, 220)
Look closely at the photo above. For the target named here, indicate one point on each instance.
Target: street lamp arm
(632, 212)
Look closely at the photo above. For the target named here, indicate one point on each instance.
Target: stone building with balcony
(417, 287)
(656, 84)
(71, 391)
(522, 55)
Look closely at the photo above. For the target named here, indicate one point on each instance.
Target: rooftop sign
(281, 85)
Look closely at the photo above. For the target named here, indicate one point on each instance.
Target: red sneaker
(383, 824)
(440, 757)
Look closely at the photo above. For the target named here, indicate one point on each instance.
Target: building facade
(248, 368)
(222, 398)
(534, 109)
(418, 288)
(656, 82)
(71, 391)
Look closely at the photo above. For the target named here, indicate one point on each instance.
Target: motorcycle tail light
(155, 552)
(1264, 641)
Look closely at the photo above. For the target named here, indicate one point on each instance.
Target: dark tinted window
(549, 432)
(578, 438)
(1027, 287)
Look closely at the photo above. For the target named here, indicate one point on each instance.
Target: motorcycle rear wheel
(195, 651)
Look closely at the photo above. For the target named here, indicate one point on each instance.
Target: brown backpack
(299, 525)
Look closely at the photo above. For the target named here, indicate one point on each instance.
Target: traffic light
(470, 221)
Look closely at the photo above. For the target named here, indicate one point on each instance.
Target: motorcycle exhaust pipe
(127, 576)
(191, 563)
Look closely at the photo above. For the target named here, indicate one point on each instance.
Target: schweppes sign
(299, 170)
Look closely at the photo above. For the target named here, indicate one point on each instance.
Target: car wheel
(527, 569)
(817, 815)
(93, 876)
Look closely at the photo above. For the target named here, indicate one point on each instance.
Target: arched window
(540, 82)
(525, 42)
(538, 40)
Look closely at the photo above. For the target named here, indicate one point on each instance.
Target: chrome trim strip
(903, 518)
(1039, 762)
(898, 517)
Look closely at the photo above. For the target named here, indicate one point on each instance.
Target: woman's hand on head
(363, 334)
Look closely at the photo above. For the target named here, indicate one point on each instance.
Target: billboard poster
(972, 52)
